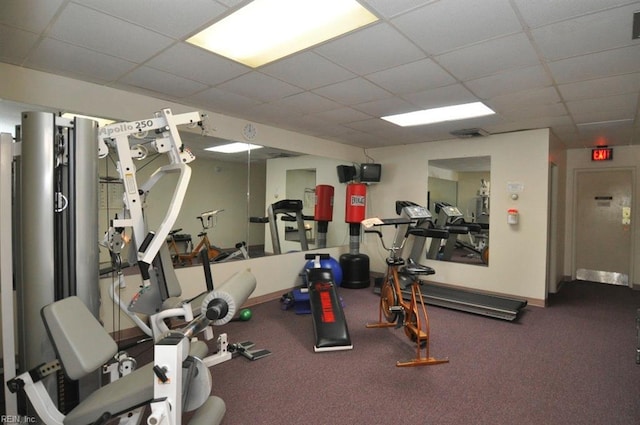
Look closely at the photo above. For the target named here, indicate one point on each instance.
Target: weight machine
(49, 191)
(175, 382)
(159, 283)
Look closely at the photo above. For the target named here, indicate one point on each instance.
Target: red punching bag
(324, 203)
(356, 203)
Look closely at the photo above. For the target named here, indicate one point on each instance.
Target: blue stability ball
(332, 264)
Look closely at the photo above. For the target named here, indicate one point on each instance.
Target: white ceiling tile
(387, 106)
(342, 115)
(371, 49)
(309, 124)
(611, 62)
(625, 103)
(78, 61)
(541, 12)
(529, 123)
(442, 96)
(203, 66)
(373, 125)
(307, 103)
(269, 114)
(15, 44)
(389, 9)
(259, 86)
(307, 70)
(509, 81)
(451, 24)
(218, 100)
(523, 99)
(490, 57)
(411, 77)
(357, 90)
(532, 111)
(590, 33)
(30, 15)
(599, 87)
(103, 33)
(172, 18)
(231, 3)
(162, 82)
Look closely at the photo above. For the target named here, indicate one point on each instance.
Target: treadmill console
(451, 211)
(416, 212)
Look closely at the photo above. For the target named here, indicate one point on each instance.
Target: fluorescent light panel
(233, 147)
(442, 114)
(266, 30)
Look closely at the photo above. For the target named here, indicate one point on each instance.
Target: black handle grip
(160, 373)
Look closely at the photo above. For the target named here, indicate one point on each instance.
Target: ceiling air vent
(467, 133)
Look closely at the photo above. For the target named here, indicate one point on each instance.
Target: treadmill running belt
(468, 301)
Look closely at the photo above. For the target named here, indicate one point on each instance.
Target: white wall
(518, 254)
(627, 157)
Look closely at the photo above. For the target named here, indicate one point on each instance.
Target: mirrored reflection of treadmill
(445, 296)
(290, 210)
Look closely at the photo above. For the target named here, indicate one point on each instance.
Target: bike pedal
(396, 308)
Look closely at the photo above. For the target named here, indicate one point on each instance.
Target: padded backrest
(167, 279)
(81, 342)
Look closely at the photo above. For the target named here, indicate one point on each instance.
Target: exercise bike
(411, 314)
(208, 220)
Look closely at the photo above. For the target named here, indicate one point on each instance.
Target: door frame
(574, 230)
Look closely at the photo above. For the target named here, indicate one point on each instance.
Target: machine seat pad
(82, 344)
(120, 396)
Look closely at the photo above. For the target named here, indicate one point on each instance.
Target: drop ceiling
(568, 65)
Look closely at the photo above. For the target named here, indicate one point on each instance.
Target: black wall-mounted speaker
(346, 173)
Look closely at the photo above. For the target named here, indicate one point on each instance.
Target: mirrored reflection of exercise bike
(208, 220)
(411, 314)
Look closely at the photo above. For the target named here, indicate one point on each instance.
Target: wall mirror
(458, 196)
(241, 185)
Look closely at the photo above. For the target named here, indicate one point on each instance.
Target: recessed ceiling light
(266, 30)
(233, 147)
(442, 114)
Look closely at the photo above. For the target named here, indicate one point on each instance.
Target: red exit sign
(602, 154)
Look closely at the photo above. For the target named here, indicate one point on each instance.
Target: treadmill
(466, 300)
